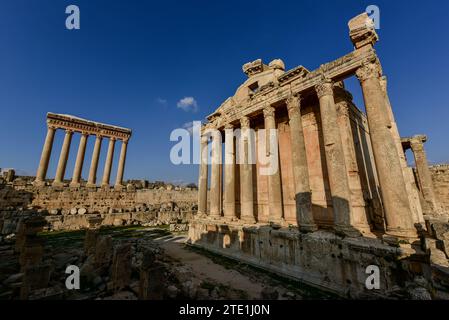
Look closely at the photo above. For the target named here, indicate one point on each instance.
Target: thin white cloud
(188, 104)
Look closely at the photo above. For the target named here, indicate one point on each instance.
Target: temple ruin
(71, 125)
(344, 195)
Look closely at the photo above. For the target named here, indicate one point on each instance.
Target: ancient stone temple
(342, 187)
(71, 125)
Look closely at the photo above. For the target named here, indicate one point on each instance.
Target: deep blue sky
(132, 61)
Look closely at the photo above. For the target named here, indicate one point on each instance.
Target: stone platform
(321, 259)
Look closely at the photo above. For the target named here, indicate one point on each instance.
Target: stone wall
(440, 178)
(72, 209)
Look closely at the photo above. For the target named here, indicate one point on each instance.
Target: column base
(57, 184)
(402, 233)
(248, 220)
(74, 185)
(39, 183)
(105, 186)
(119, 187)
(347, 231)
(307, 228)
(91, 185)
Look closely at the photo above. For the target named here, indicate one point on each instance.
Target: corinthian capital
(369, 70)
(325, 88)
(268, 111)
(293, 105)
(244, 122)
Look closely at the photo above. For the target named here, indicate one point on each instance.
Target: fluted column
(91, 182)
(398, 214)
(246, 173)
(215, 185)
(60, 171)
(423, 172)
(202, 181)
(335, 160)
(229, 194)
(45, 156)
(108, 164)
(274, 179)
(121, 165)
(76, 179)
(303, 193)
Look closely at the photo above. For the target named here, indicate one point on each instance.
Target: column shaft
(229, 194)
(303, 193)
(215, 184)
(76, 179)
(121, 165)
(274, 178)
(45, 156)
(108, 164)
(246, 173)
(424, 177)
(202, 181)
(62, 164)
(335, 160)
(94, 162)
(398, 215)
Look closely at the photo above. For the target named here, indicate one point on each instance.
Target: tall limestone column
(409, 178)
(94, 162)
(359, 214)
(202, 182)
(108, 164)
(246, 173)
(398, 214)
(60, 171)
(424, 177)
(121, 165)
(229, 183)
(76, 179)
(45, 156)
(274, 178)
(335, 160)
(215, 185)
(303, 193)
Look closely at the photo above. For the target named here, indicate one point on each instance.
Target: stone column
(274, 179)
(423, 172)
(229, 194)
(335, 160)
(121, 165)
(202, 182)
(45, 156)
(215, 184)
(108, 164)
(94, 162)
(60, 171)
(76, 179)
(398, 215)
(303, 193)
(246, 173)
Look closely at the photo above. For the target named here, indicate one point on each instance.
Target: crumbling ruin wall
(440, 178)
(72, 209)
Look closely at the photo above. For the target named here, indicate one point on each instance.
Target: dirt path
(204, 268)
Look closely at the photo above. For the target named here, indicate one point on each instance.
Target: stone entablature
(68, 122)
(71, 124)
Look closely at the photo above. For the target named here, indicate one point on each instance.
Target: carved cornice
(325, 88)
(369, 70)
(86, 127)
